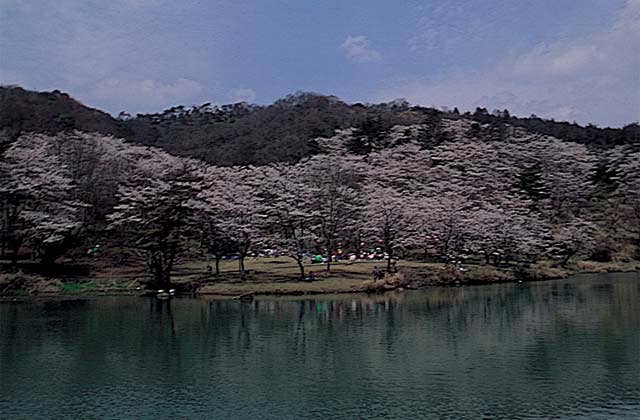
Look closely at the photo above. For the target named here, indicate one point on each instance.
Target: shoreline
(410, 277)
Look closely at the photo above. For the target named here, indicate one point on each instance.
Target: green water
(562, 349)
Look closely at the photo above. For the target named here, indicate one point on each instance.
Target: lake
(562, 349)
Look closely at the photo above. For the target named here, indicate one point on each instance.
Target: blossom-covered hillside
(452, 190)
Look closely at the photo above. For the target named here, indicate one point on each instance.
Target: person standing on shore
(375, 273)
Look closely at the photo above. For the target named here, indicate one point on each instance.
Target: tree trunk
(358, 248)
(329, 256)
(301, 266)
(15, 249)
(243, 251)
(328, 253)
(218, 257)
(159, 277)
(166, 279)
(160, 264)
(241, 266)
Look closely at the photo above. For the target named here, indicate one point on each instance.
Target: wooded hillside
(250, 134)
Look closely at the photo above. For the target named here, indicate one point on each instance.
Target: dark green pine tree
(530, 183)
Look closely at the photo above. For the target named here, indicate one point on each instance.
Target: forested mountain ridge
(23, 111)
(283, 131)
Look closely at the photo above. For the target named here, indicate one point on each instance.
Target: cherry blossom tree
(333, 183)
(213, 239)
(289, 211)
(630, 191)
(573, 238)
(405, 167)
(441, 224)
(566, 172)
(36, 200)
(153, 213)
(231, 199)
(389, 218)
(507, 231)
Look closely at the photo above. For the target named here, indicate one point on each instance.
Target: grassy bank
(280, 276)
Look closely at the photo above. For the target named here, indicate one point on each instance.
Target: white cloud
(358, 48)
(145, 95)
(242, 95)
(592, 79)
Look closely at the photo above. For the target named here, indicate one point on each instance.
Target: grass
(282, 269)
(68, 287)
(605, 267)
(545, 270)
(280, 276)
(19, 292)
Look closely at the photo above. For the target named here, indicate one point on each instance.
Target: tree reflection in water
(554, 348)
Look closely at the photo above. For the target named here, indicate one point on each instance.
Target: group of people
(376, 273)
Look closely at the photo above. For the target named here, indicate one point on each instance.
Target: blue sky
(567, 59)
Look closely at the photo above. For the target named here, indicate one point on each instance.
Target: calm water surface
(562, 349)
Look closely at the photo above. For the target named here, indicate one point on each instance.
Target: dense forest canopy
(311, 174)
(250, 134)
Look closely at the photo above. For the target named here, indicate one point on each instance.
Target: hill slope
(250, 134)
